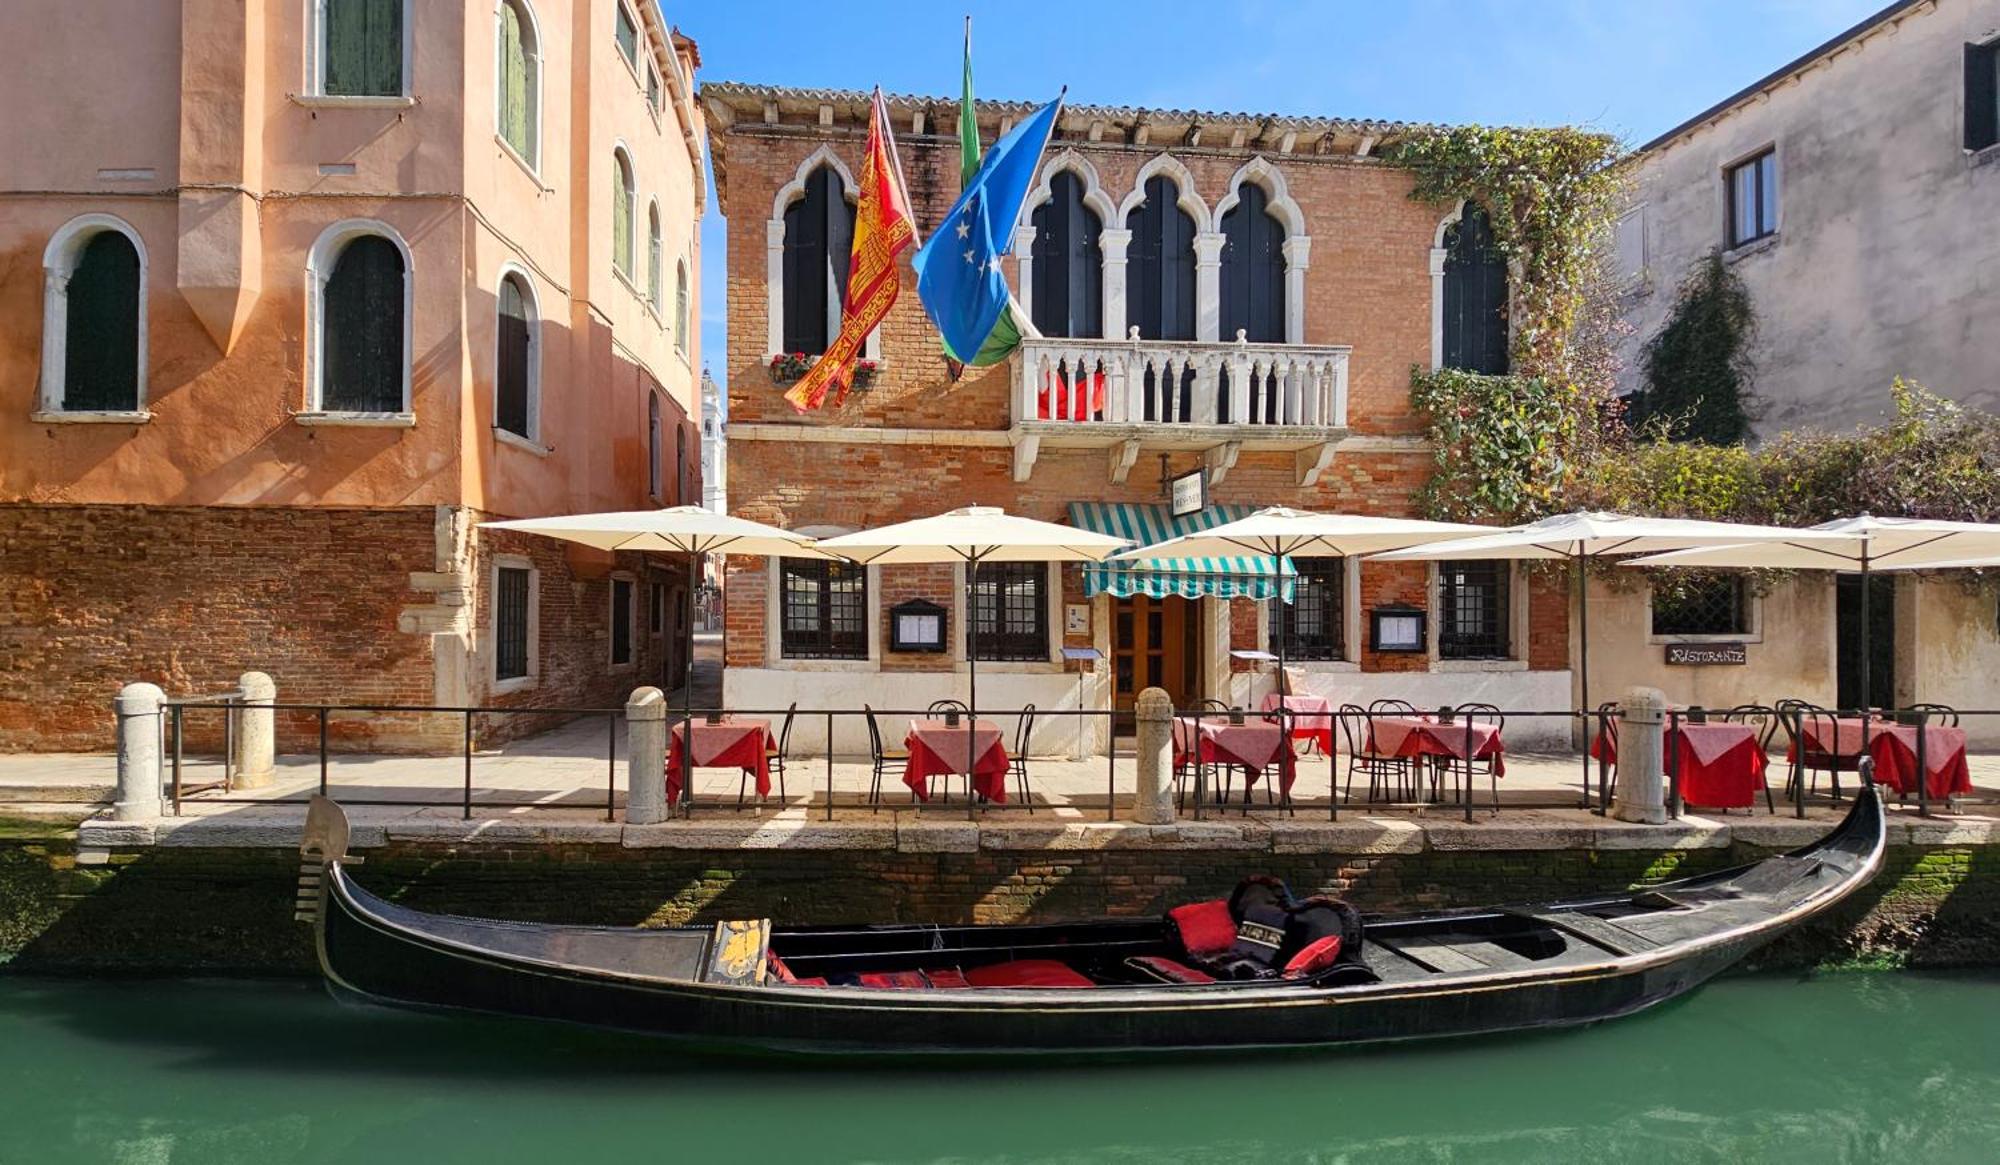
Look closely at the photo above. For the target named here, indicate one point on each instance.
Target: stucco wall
(1790, 648)
(1957, 631)
(1884, 257)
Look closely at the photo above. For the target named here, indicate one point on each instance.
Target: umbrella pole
(972, 682)
(687, 701)
(1583, 668)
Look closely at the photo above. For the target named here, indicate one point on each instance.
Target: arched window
(680, 463)
(94, 323)
(681, 305)
(1159, 273)
(520, 80)
(1474, 294)
(517, 373)
(359, 48)
(819, 233)
(1253, 269)
(623, 195)
(1068, 291)
(653, 254)
(653, 483)
(363, 364)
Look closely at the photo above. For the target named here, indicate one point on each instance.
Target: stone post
(137, 710)
(254, 765)
(1154, 804)
(646, 757)
(1642, 785)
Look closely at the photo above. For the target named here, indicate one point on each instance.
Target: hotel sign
(1706, 654)
(1188, 493)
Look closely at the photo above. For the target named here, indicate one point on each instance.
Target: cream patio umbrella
(1582, 536)
(1862, 545)
(689, 530)
(971, 535)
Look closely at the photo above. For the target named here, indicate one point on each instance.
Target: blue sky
(1629, 67)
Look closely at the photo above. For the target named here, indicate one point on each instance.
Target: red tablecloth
(1414, 736)
(1254, 744)
(936, 748)
(1721, 765)
(1311, 719)
(1840, 737)
(1894, 747)
(732, 744)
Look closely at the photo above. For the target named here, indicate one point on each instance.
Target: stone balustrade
(1236, 384)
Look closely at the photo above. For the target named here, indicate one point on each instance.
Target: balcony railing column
(1207, 391)
(1337, 415)
(1239, 379)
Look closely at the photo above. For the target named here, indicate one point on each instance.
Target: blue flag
(959, 278)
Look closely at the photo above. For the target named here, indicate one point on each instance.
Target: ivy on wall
(1698, 365)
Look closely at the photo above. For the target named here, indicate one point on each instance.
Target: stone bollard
(1154, 712)
(137, 710)
(646, 757)
(1642, 769)
(254, 764)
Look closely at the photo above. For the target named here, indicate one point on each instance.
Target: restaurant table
(1254, 744)
(1422, 736)
(729, 744)
(1311, 719)
(1721, 765)
(1894, 748)
(937, 748)
(1845, 731)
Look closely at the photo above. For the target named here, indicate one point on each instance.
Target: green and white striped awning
(1247, 577)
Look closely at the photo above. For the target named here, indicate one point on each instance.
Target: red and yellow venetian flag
(883, 230)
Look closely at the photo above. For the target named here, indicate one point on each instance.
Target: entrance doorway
(1881, 640)
(1155, 643)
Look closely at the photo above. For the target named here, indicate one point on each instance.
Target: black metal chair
(1017, 764)
(1804, 722)
(1384, 772)
(882, 758)
(1187, 762)
(940, 707)
(1606, 724)
(1764, 718)
(774, 757)
(1392, 708)
(1466, 768)
(1944, 715)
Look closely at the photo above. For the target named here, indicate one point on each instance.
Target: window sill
(1013, 667)
(1477, 666)
(518, 684)
(527, 167)
(1323, 666)
(90, 417)
(1984, 156)
(357, 420)
(824, 665)
(525, 444)
(1728, 637)
(1753, 247)
(357, 101)
(619, 669)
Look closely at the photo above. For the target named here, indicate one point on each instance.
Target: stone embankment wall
(170, 910)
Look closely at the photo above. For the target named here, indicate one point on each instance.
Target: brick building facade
(296, 297)
(1353, 284)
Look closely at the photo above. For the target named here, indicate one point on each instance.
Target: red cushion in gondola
(1167, 970)
(1205, 928)
(1026, 973)
(779, 971)
(893, 979)
(951, 977)
(1316, 957)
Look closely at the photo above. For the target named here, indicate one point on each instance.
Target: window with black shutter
(819, 234)
(1010, 610)
(510, 623)
(621, 621)
(1753, 198)
(1982, 95)
(656, 610)
(1253, 291)
(654, 447)
(1069, 262)
(363, 332)
(512, 411)
(1475, 296)
(680, 463)
(1314, 624)
(823, 609)
(1706, 605)
(101, 328)
(1473, 621)
(361, 45)
(1159, 265)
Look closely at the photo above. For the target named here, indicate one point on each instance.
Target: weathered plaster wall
(1791, 648)
(1956, 635)
(1884, 257)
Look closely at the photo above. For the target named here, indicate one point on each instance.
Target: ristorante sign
(1706, 654)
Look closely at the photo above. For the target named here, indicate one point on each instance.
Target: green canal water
(1865, 1067)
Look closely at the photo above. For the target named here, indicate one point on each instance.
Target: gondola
(1260, 970)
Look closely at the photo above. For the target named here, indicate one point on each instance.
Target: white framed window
(621, 619)
(655, 449)
(517, 362)
(359, 304)
(1751, 187)
(359, 51)
(518, 81)
(681, 306)
(1628, 246)
(516, 623)
(654, 90)
(93, 322)
(625, 30)
(653, 254)
(624, 198)
(806, 248)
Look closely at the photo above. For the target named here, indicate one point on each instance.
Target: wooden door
(1153, 645)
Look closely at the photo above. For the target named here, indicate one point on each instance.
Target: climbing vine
(1698, 365)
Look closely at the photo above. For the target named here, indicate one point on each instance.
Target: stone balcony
(1132, 396)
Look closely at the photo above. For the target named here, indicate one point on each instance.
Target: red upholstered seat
(1167, 970)
(1317, 956)
(950, 977)
(1027, 973)
(776, 965)
(1205, 928)
(893, 979)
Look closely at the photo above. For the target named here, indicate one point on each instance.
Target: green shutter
(517, 85)
(101, 332)
(681, 306)
(363, 47)
(621, 217)
(628, 36)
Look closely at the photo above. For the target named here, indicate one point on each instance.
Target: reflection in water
(1846, 1068)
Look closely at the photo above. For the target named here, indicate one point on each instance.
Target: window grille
(1472, 622)
(1314, 624)
(1010, 610)
(824, 609)
(1709, 606)
(510, 623)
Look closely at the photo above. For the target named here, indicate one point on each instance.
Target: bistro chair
(1943, 715)
(1605, 722)
(882, 758)
(1185, 764)
(1470, 767)
(1384, 772)
(1017, 764)
(939, 708)
(1800, 718)
(1764, 718)
(1392, 708)
(774, 757)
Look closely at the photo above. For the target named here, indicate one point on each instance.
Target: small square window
(1982, 95)
(512, 619)
(1711, 605)
(1753, 198)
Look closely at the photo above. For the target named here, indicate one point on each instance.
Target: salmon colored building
(1245, 295)
(292, 297)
